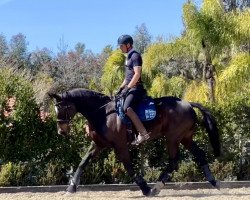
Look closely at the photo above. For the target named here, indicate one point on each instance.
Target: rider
(132, 88)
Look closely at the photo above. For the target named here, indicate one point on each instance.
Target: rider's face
(125, 48)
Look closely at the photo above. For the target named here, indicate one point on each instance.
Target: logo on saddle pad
(146, 110)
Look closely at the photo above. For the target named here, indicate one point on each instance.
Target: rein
(112, 99)
(66, 107)
(103, 106)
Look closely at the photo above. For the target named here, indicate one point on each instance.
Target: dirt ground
(227, 194)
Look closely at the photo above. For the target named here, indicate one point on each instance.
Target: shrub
(19, 174)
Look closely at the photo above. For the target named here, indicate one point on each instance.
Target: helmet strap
(128, 48)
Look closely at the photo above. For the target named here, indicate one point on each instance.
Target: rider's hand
(125, 90)
(118, 92)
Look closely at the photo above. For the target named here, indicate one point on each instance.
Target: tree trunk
(208, 73)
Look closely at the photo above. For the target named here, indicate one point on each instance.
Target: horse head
(65, 111)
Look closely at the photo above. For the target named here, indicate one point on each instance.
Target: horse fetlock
(146, 190)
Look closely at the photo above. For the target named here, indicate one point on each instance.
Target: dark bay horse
(175, 121)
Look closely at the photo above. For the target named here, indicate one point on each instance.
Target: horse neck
(91, 107)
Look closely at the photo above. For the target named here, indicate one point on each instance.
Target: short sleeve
(136, 59)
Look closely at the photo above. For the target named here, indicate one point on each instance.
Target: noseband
(67, 118)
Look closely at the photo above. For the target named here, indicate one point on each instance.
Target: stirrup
(141, 138)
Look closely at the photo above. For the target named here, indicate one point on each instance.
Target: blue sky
(96, 23)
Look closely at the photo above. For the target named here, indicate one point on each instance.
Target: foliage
(223, 170)
(15, 174)
(113, 72)
(52, 174)
(210, 25)
(188, 171)
(162, 86)
(233, 83)
(242, 29)
(200, 94)
(158, 55)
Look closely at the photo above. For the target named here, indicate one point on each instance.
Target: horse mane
(79, 93)
(90, 104)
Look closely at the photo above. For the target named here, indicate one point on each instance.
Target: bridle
(67, 118)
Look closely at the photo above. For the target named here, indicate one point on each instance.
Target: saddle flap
(146, 110)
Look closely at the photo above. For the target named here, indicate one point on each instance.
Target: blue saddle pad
(146, 110)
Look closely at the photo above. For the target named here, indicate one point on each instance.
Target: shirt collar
(130, 51)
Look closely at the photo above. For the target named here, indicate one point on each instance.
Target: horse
(175, 121)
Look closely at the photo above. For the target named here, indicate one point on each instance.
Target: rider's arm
(136, 77)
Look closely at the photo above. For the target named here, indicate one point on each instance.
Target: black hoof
(71, 189)
(216, 184)
(147, 192)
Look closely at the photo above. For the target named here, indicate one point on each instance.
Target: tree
(3, 46)
(80, 48)
(142, 38)
(40, 60)
(18, 51)
(113, 72)
(232, 5)
(211, 31)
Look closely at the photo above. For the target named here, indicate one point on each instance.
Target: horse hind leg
(200, 159)
(124, 157)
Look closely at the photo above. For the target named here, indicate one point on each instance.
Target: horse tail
(211, 128)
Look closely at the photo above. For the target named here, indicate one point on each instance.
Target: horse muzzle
(63, 129)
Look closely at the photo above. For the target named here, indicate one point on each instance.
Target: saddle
(146, 110)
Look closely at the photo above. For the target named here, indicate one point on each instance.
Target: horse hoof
(154, 192)
(71, 189)
(157, 188)
(216, 184)
(147, 193)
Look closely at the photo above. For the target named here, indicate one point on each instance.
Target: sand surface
(227, 194)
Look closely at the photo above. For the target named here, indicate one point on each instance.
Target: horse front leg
(124, 157)
(92, 152)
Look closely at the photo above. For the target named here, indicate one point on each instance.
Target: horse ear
(57, 97)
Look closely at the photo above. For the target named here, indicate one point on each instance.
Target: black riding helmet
(125, 39)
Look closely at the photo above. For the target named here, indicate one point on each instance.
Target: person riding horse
(175, 124)
(132, 89)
